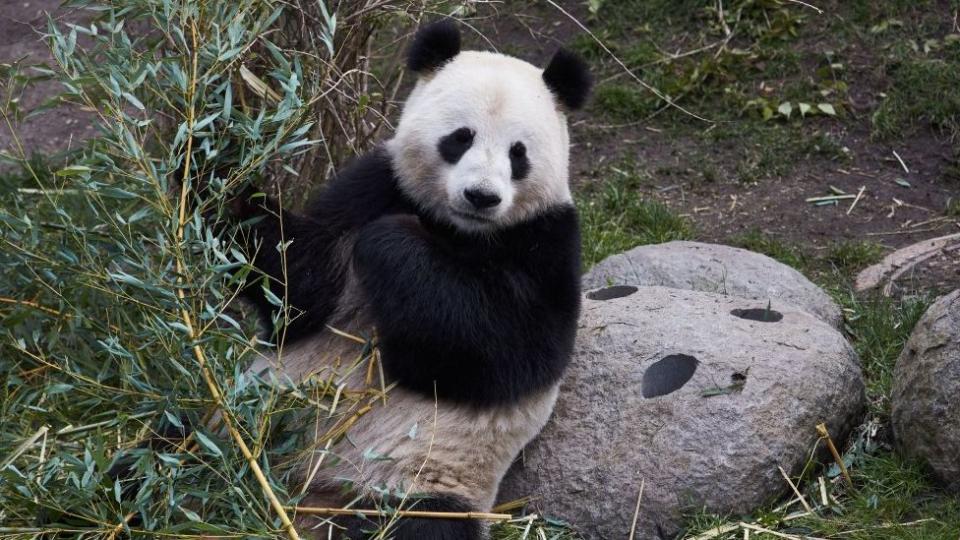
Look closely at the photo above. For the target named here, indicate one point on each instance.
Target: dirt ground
(902, 202)
(60, 128)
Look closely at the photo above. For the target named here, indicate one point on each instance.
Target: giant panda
(455, 245)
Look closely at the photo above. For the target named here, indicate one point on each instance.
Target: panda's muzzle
(480, 199)
(476, 218)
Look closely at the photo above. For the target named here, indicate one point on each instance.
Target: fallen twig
(887, 526)
(902, 164)
(803, 501)
(830, 198)
(777, 534)
(716, 531)
(856, 200)
(320, 511)
(636, 511)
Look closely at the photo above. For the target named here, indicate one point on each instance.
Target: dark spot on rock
(667, 375)
(758, 314)
(609, 293)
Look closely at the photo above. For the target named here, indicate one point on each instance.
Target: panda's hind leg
(358, 528)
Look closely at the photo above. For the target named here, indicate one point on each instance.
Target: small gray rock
(700, 396)
(714, 268)
(926, 391)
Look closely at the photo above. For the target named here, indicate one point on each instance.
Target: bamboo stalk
(323, 511)
(22, 447)
(28, 303)
(826, 198)
(824, 434)
(191, 333)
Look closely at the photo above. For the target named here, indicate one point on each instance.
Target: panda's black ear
(434, 45)
(568, 77)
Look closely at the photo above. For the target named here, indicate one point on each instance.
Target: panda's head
(482, 141)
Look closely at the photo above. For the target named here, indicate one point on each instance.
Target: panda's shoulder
(364, 172)
(364, 189)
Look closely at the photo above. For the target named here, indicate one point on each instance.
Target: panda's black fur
(481, 319)
(433, 46)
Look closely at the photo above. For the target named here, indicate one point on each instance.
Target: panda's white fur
(454, 444)
(505, 100)
(410, 444)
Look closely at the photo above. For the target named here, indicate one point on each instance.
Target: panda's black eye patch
(519, 164)
(454, 145)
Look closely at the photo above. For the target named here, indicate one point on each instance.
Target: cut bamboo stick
(822, 430)
(322, 511)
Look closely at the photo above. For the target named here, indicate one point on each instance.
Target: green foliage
(615, 217)
(118, 301)
(786, 110)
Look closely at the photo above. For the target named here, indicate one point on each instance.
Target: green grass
(626, 102)
(952, 208)
(615, 217)
(892, 500)
(526, 529)
(774, 248)
(879, 327)
(773, 149)
(890, 491)
(897, 491)
(923, 92)
(850, 256)
(716, 81)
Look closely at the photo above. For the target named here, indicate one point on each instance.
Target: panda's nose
(481, 200)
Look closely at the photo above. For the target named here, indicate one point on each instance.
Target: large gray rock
(676, 389)
(714, 268)
(926, 391)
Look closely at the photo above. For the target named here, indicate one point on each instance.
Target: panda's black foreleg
(310, 269)
(294, 255)
(359, 528)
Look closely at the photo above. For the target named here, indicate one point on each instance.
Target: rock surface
(714, 268)
(670, 387)
(926, 391)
